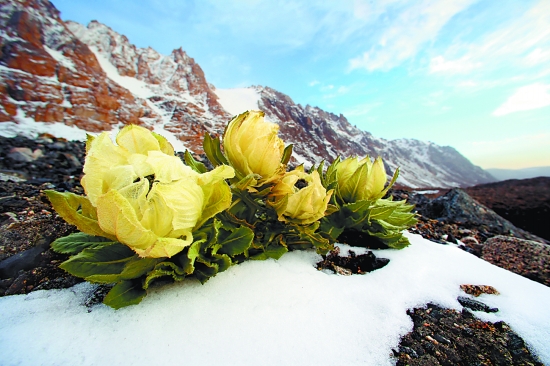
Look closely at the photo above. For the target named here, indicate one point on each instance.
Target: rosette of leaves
(363, 216)
(103, 261)
(281, 220)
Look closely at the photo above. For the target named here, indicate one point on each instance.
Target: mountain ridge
(93, 78)
(525, 173)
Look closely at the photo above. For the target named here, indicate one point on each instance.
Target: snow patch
(302, 316)
(59, 57)
(28, 127)
(238, 100)
(137, 87)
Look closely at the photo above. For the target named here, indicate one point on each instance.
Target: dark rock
(457, 206)
(475, 305)
(525, 202)
(25, 260)
(524, 257)
(352, 264)
(459, 338)
(408, 351)
(441, 339)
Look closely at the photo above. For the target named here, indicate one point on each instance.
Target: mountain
(526, 173)
(55, 74)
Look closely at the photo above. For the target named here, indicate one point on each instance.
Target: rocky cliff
(93, 78)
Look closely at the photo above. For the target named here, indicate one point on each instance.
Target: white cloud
(528, 97)
(460, 66)
(327, 88)
(343, 90)
(416, 24)
(468, 84)
(537, 56)
(361, 109)
(522, 42)
(314, 82)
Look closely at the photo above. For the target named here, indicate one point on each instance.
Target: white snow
(428, 191)
(238, 100)
(58, 56)
(137, 87)
(271, 312)
(28, 127)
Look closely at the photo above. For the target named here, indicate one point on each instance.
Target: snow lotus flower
(300, 197)
(360, 180)
(252, 146)
(144, 196)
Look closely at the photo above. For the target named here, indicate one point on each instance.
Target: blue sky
(470, 74)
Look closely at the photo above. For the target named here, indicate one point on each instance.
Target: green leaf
(125, 293)
(311, 235)
(106, 260)
(235, 242)
(244, 183)
(134, 268)
(205, 270)
(77, 210)
(194, 164)
(287, 154)
(392, 182)
(223, 261)
(77, 242)
(275, 252)
(329, 228)
(330, 176)
(212, 149)
(165, 269)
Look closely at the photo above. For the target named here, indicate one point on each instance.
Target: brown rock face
(177, 90)
(50, 76)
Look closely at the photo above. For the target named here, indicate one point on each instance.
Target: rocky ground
(28, 226)
(525, 202)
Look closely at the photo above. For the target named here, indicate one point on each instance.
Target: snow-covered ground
(271, 312)
(28, 127)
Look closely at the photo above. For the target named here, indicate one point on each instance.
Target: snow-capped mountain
(319, 135)
(94, 79)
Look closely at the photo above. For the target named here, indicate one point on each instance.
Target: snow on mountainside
(93, 79)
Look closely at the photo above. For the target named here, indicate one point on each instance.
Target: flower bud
(252, 146)
(300, 197)
(360, 180)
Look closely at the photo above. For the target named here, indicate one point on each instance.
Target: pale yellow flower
(300, 197)
(360, 180)
(145, 196)
(252, 146)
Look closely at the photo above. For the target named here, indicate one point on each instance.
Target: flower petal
(117, 217)
(137, 140)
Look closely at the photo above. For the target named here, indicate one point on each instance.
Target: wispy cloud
(361, 109)
(525, 98)
(416, 24)
(537, 56)
(522, 42)
(459, 66)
